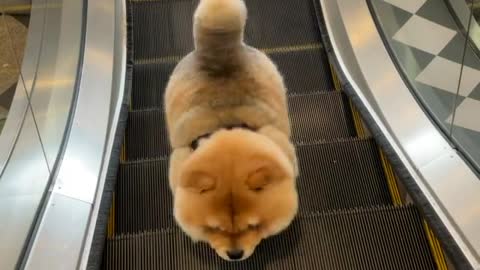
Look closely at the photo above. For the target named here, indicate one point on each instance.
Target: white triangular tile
(466, 115)
(411, 6)
(444, 74)
(424, 35)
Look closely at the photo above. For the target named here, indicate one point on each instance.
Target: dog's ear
(265, 171)
(197, 181)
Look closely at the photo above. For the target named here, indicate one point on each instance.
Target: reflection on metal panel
(60, 234)
(118, 87)
(52, 92)
(81, 168)
(49, 69)
(22, 186)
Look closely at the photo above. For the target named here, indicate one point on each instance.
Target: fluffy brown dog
(233, 167)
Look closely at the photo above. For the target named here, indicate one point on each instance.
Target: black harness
(194, 144)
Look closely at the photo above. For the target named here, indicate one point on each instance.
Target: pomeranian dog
(233, 167)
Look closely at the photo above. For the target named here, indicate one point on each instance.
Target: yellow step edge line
(113, 213)
(336, 81)
(161, 60)
(111, 220)
(9, 8)
(123, 152)
(111, 217)
(357, 120)
(435, 247)
(130, 106)
(285, 49)
(27, 7)
(387, 168)
(294, 48)
(391, 179)
(437, 251)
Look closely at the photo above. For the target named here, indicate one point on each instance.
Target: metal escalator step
(320, 116)
(144, 201)
(304, 71)
(315, 117)
(334, 175)
(149, 83)
(164, 28)
(146, 135)
(374, 238)
(339, 175)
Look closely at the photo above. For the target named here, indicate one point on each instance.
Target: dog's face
(236, 189)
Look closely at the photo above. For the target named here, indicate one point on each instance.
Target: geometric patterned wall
(428, 46)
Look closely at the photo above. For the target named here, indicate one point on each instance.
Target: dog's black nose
(235, 254)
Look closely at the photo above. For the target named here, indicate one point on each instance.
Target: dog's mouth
(235, 254)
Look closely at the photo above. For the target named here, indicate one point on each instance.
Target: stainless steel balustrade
(59, 133)
(444, 178)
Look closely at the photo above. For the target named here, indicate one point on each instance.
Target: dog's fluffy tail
(218, 29)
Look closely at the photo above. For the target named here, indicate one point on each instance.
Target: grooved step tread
(314, 117)
(320, 116)
(334, 175)
(304, 71)
(164, 28)
(146, 135)
(373, 238)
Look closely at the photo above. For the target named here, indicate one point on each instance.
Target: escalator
(350, 215)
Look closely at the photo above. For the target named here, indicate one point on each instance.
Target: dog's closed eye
(257, 189)
(265, 170)
(259, 179)
(213, 229)
(253, 226)
(199, 182)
